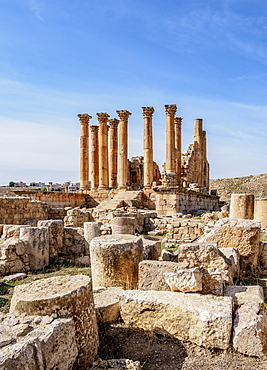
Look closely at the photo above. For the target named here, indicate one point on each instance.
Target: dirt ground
(160, 352)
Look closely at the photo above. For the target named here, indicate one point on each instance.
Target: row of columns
(112, 171)
(173, 142)
(104, 163)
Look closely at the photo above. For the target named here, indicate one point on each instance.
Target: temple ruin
(181, 187)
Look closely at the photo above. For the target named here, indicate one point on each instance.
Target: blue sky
(60, 58)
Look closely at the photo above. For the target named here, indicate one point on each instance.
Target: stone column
(113, 152)
(84, 151)
(178, 148)
(148, 146)
(206, 175)
(94, 158)
(198, 151)
(242, 206)
(103, 150)
(123, 148)
(170, 138)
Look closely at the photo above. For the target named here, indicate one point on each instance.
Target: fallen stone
(38, 246)
(151, 248)
(82, 261)
(115, 259)
(14, 277)
(167, 255)
(5, 336)
(250, 330)
(241, 234)
(42, 346)
(234, 256)
(55, 233)
(107, 304)
(263, 257)
(213, 281)
(189, 280)
(151, 274)
(121, 364)
(70, 296)
(243, 294)
(206, 255)
(203, 320)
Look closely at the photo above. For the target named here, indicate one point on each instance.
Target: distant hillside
(256, 185)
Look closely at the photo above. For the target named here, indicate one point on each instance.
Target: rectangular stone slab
(202, 319)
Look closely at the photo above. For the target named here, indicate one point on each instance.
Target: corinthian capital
(123, 114)
(171, 109)
(113, 123)
(84, 118)
(178, 120)
(102, 117)
(148, 111)
(94, 128)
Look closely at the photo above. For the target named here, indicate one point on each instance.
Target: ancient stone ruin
(155, 266)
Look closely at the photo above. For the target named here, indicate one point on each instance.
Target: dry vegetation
(256, 185)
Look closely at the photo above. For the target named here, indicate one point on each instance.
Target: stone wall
(176, 231)
(18, 210)
(168, 203)
(59, 199)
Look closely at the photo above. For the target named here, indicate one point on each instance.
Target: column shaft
(123, 148)
(170, 138)
(178, 148)
(84, 151)
(113, 152)
(94, 157)
(198, 151)
(103, 150)
(148, 146)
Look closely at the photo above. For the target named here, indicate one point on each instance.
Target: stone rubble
(37, 342)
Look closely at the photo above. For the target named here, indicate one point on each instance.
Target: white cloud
(36, 8)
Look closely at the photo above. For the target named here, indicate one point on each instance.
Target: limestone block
(63, 296)
(263, 257)
(206, 255)
(73, 241)
(188, 280)
(213, 281)
(203, 320)
(91, 230)
(168, 255)
(38, 344)
(234, 256)
(115, 259)
(11, 231)
(250, 330)
(82, 261)
(151, 248)
(243, 294)
(123, 225)
(241, 234)
(151, 274)
(18, 276)
(107, 304)
(117, 364)
(38, 246)
(14, 256)
(55, 232)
